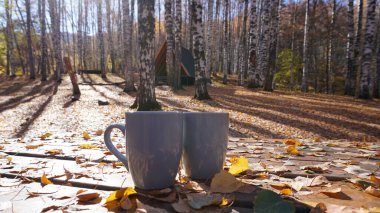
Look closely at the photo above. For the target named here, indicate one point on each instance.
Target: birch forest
(320, 46)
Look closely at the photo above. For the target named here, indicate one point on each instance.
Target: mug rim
(200, 113)
(153, 112)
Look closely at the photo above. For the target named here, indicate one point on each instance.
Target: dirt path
(31, 108)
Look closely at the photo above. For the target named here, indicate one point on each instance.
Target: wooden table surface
(94, 168)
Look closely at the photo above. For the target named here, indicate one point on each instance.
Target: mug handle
(111, 147)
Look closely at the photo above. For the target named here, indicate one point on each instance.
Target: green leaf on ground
(269, 201)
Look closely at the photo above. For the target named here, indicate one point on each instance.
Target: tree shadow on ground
(41, 89)
(53, 88)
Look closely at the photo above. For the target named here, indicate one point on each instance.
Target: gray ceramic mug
(205, 137)
(154, 147)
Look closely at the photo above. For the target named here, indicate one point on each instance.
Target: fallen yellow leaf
(86, 136)
(286, 191)
(87, 146)
(239, 165)
(113, 201)
(372, 191)
(9, 159)
(45, 180)
(292, 150)
(46, 135)
(225, 182)
(331, 145)
(292, 142)
(53, 151)
(1, 147)
(374, 210)
(225, 202)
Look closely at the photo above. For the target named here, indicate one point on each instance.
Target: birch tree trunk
(225, 49)
(376, 88)
(170, 43)
(201, 92)
(243, 46)
(127, 49)
(350, 55)
(43, 39)
(146, 97)
(110, 39)
(357, 51)
(85, 45)
(216, 40)
(29, 40)
(56, 37)
(331, 68)
(274, 35)
(178, 45)
(305, 71)
(209, 39)
(80, 34)
(264, 43)
(190, 39)
(370, 31)
(10, 39)
(101, 39)
(253, 76)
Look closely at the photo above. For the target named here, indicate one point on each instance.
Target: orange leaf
(375, 180)
(292, 142)
(286, 192)
(292, 150)
(45, 180)
(372, 191)
(33, 146)
(86, 136)
(53, 151)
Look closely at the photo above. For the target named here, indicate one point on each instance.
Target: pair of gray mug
(156, 141)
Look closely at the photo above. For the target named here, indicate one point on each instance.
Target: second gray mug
(205, 137)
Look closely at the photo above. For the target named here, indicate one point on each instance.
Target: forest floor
(45, 138)
(31, 108)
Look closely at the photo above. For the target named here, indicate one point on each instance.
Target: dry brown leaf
(181, 206)
(375, 180)
(45, 180)
(99, 132)
(33, 146)
(86, 196)
(1, 147)
(373, 191)
(194, 186)
(200, 200)
(334, 193)
(225, 182)
(127, 203)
